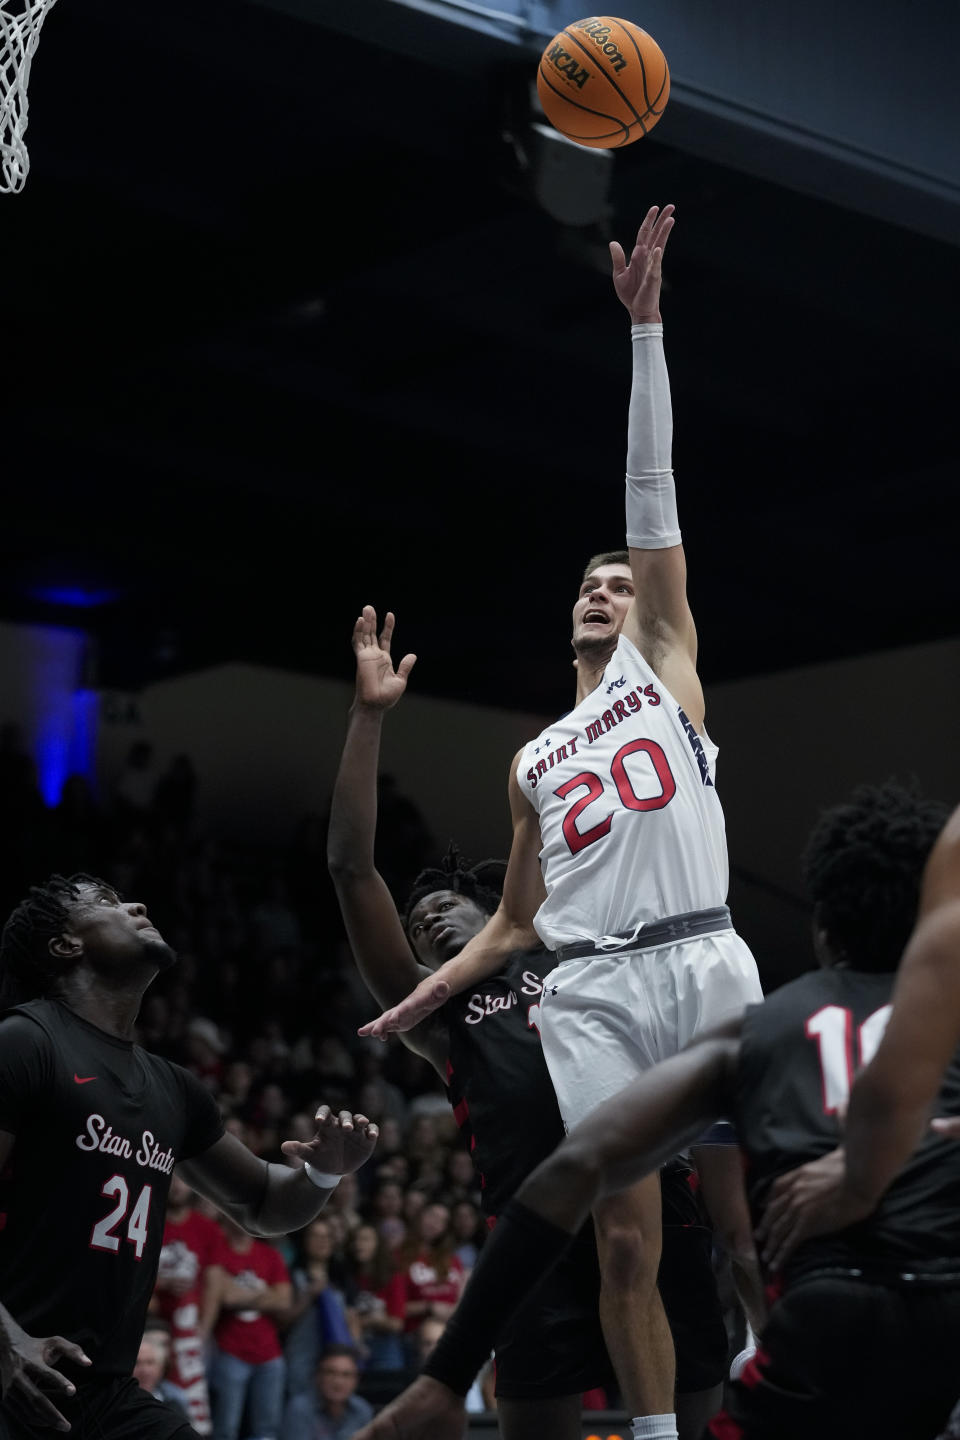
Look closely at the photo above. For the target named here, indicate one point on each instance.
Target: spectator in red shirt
(433, 1276)
(184, 1297)
(376, 1296)
(253, 1289)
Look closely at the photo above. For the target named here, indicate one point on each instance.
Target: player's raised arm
(377, 940)
(510, 928)
(661, 625)
(624, 1139)
(269, 1199)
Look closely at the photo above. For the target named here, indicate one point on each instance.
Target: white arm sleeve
(652, 522)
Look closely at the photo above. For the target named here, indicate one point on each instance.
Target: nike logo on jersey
(83, 1079)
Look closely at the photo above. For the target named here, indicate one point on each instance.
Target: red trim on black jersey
(724, 1427)
(750, 1375)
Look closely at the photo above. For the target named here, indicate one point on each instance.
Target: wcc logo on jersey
(697, 746)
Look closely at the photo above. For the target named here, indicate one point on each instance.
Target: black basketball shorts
(107, 1409)
(844, 1357)
(554, 1344)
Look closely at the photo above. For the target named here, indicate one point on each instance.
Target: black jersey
(799, 1053)
(99, 1125)
(498, 1081)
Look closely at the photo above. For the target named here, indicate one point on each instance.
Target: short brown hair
(606, 557)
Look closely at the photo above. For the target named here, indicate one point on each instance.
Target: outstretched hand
(28, 1381)
(429, 995)
(426, 1410)
(379, 686)
(341, 1145)
(637, 280)
(811, 1200)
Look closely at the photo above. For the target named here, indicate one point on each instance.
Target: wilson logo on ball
(600, 35)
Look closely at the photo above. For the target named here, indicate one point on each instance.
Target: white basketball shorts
(605, 1019)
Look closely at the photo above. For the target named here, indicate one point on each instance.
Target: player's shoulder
(177, 1078)
(29, 1024)
(799, 1000)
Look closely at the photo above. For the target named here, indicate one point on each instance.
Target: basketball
(603, 82)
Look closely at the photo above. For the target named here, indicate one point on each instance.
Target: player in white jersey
(618, 862)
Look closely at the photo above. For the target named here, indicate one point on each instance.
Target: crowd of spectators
(297, 1337)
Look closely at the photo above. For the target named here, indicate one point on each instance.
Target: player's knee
(629, 1259)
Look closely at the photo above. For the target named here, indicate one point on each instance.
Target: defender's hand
(379, 686)
(811, 1200)
(429, 995)
(637, 281)
(341, 1145)
(426, 1410)
(27, 1377)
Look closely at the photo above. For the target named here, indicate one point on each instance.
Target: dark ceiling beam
(856, 104)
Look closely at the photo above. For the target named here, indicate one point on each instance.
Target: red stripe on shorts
(724, 1427)
(750, 1375)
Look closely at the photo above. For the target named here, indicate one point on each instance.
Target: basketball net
(20, 22)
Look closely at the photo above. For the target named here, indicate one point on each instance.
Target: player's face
(116, 934)
(441, 924)
(602, 606)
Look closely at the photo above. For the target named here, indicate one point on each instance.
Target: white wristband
(320, 1178)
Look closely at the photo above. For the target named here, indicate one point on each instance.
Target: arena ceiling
(290, 326)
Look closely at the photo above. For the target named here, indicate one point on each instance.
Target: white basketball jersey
(631, 825)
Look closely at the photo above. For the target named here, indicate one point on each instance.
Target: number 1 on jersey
(832, 1028)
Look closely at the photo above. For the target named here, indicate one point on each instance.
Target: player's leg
(695, 1408)
(720, 1168)
(716, 978)
(688, 1288)
(600, 1027)
(552, 1350)
(557, 1419)
(628, 1229)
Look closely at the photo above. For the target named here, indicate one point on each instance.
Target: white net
(20, 22)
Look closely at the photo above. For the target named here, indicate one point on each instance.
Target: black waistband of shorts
(669, 931)
(896, 1274)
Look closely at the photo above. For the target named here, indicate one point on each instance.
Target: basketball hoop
(20, 22)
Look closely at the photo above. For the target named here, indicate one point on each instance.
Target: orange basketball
(603, 82)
